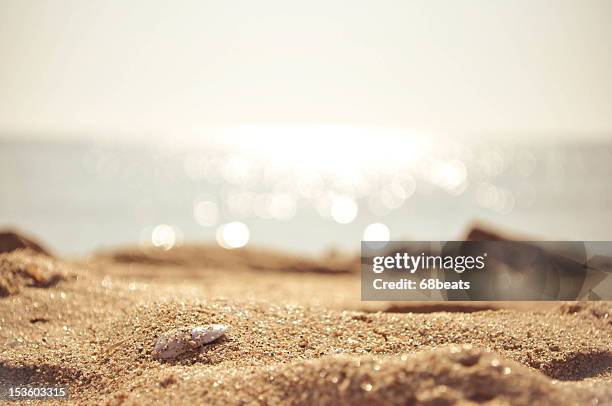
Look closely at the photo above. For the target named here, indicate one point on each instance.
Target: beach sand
(297, 334)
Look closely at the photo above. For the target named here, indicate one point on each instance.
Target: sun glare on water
(271, 173)
(343, 152)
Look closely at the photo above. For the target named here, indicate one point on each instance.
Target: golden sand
(296, 336)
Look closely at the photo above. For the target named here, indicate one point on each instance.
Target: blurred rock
(482, 233)
(11, 240)
(26, 268)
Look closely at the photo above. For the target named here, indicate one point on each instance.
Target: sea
(311, 197)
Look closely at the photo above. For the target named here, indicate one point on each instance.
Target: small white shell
(175, 342)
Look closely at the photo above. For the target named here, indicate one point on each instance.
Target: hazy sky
(172, 67)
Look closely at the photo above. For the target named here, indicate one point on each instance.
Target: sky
(130, 69)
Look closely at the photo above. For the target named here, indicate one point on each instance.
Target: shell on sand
(175, 342)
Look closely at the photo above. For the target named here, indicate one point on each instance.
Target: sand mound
(12, 240)
(447, 376)
(27, 268)
(208, 256)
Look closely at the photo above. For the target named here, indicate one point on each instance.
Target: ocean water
(79, 197)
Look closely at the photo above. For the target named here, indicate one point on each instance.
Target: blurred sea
(78, 197)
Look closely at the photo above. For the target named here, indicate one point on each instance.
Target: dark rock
(11, 241)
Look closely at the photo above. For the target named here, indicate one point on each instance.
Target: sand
(298, 334)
